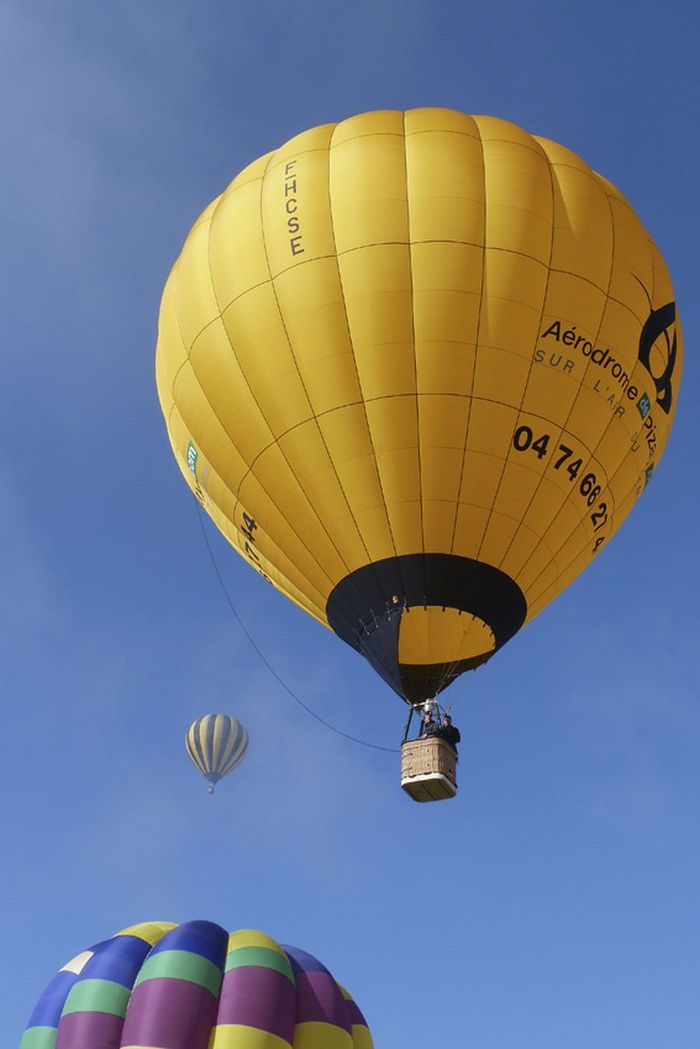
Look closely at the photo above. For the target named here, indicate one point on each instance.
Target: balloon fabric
(418, 367)
(195, 986)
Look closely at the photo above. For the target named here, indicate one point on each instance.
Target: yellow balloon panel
(418, 367)
(435, 635)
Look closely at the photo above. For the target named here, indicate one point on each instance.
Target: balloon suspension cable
(285, 686)
(408, 724)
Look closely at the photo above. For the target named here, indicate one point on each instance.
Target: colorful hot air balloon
(216, 743)
(195, 986)
(418, 367)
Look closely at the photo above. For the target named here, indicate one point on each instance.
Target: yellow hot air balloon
(418, 367)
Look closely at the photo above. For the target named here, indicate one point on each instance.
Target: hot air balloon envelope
(216, 743)
(418, 367)
(195, 986)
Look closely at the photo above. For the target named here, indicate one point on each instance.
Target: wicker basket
(428, 769)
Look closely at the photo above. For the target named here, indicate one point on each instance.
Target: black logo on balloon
(660, 323)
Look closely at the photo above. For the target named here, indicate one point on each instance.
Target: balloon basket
(428, 769)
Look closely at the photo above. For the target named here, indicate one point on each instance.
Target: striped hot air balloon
(195, 986)
(216, 743)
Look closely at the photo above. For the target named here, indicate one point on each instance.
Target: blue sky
(555, 903)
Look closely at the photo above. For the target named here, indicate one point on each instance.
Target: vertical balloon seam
(234, 494)
(183, 975)
(592, 452)
(274, 442)
(228, 739)
(194, 747)
(543, 306)
(351, 341)
(237, 748)
(279, 563)
(206, 735)
(236, 500)
(188, 362)
(470, 396)
(567, 497)
(243, 746)
(304, 387)
(221, 733)
(356, 1019)
(201, 736)
(342, 302)
(373, 444)
(612, 477)
(409, 245)
(545, 291)
(222, 308)
(314, 983)
(228, 747)
(212, 728)
(390, 639)
(257, 956)
(653, 253)
(396, 635)
(348, 328)
(448, 668)
(536, 147)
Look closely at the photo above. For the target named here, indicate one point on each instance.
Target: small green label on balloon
(643, 404)
(192, 454)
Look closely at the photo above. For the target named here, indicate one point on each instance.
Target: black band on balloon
(365, 610)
